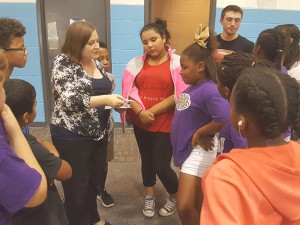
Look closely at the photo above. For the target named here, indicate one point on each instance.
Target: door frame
(44, 59)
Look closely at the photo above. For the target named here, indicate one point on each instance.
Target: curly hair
(159, 26)
(3, 60)
(3, 64)
(229, 69)
(270, 98)
(10, 28)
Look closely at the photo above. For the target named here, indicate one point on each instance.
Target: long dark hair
(273, 44)
(292, 51)
(159, 26)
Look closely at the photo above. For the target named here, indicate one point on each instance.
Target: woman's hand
(146, 117)
(116, 101)
(205, 141)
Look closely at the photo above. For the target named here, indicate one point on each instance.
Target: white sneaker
(149, 206)
(169, 208)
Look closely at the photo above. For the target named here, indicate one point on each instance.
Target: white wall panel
(17, 1)
(127, 2)
(262, 4)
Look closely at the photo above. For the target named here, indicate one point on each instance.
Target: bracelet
(139, 113)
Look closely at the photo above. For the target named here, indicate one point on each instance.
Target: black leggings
(87, 159)
(156, 154)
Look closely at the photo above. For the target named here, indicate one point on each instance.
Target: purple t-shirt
(284, 70)
(197, 106)
(229, 138)
(287, 133)
(18, 182)
(2, 131)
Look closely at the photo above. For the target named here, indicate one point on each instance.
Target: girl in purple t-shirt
(228, 70)
(200, 113)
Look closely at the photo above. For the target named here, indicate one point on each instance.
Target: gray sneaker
(169, 208)
(149, 206)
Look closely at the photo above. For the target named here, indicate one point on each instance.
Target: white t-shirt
(294, 71)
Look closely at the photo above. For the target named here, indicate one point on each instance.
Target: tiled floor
(124, 183)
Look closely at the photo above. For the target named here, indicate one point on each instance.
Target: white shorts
(199, 160)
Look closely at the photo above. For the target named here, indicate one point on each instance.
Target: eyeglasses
(15, 49)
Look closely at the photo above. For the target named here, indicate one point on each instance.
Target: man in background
(229, 39)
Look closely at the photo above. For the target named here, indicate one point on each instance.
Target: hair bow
(201, 35)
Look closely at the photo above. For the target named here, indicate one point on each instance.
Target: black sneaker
(106, 199)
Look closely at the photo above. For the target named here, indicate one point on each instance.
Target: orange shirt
(155, 84)
(253, 186)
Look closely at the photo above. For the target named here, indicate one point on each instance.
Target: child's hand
(146, 117)
(116, 101)
(206, 142)
(10, 123)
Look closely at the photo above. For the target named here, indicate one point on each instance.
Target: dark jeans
(103, 177)
(87, 159)
(156, 154)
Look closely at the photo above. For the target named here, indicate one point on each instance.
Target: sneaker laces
(149, 203)
(170, 204)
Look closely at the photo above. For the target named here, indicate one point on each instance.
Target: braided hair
(271, 99)
(229, 69)
(159, 26)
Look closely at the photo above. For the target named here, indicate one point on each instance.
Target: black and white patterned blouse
(72, 92)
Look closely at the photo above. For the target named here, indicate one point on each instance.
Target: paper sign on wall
(52, 35)
(75, 19)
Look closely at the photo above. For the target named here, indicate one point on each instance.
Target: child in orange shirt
(261, 184)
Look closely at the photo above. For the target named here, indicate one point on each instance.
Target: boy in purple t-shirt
(200, 113)
(22, 181)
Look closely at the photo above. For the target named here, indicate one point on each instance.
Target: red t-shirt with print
(155, 84)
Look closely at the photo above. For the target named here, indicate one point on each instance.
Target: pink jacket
(134, 67)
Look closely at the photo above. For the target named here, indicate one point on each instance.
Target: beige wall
(183, 17)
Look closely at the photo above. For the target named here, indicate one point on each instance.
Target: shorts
(199, 160)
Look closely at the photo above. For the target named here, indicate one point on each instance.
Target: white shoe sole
(148, 214)
(106, 206)
(165, 214)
